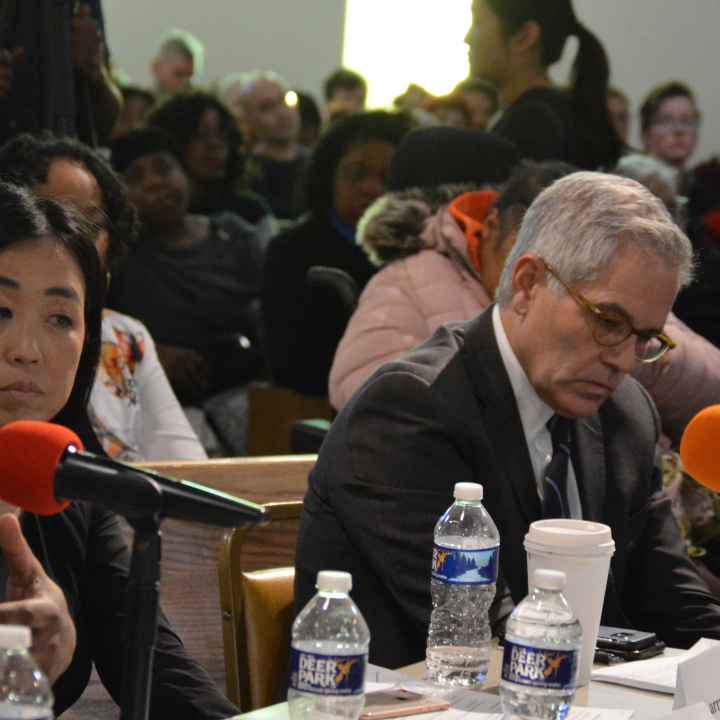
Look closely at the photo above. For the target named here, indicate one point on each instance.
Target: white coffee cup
(582, 550)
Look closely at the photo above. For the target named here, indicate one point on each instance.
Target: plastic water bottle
(543, 639)
(329, 650)
(464, 573)
(24, 690)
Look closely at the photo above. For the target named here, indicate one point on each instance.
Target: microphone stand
(142, 602)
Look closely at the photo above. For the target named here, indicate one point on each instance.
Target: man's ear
(528, 36)
(527, 275)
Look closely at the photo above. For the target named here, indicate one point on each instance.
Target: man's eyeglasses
(610, 327)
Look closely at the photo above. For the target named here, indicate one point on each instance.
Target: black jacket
(446, 413)
(84, 551)
(303, 326)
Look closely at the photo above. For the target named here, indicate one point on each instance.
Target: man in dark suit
(583, 298)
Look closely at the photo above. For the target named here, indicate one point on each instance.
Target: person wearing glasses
(669, 122)
(582, 301)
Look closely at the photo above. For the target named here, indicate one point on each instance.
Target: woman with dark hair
(209, 144)
(513, 44)
(133, 410)
(67, 574)
(347, 171)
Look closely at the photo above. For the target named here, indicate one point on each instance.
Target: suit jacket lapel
(589, 464)
(503, 425)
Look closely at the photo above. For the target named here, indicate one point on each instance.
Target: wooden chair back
(257, 606)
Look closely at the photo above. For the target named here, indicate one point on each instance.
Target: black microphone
(59, 470)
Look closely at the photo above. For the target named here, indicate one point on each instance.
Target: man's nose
(623, 357)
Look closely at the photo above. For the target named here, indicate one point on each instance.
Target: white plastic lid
(468, 491)
(565, 531)
(14, 636)
(334, 581)
(549, 579)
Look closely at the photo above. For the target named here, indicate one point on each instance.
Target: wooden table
(646, 705)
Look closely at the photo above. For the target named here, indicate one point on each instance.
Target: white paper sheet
(657, 674)
(470, 705)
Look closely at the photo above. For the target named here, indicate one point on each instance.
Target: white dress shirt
(534, 416)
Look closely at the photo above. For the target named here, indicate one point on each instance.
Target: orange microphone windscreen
(700, 448)
(29, 455)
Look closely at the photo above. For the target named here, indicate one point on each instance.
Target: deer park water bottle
(464, 573)
(329, 648)
(24, 689)
(543, 639)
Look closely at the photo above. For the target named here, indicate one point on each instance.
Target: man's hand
(87, 45)
(33, 599)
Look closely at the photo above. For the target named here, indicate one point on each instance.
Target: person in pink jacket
(444, 267)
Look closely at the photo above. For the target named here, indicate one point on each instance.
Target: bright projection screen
(396, 42)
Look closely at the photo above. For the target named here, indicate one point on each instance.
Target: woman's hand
(33, 599)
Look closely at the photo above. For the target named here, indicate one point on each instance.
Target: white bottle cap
(549, 579)
(334, 581)
(468, 491)
(15, 636)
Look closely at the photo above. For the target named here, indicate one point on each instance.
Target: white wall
(300, 39)
(648, 41)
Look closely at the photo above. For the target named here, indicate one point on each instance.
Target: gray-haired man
(583, 299)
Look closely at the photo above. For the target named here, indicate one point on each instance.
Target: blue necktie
(555, 502)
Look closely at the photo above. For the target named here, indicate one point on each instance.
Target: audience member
(619, 109)
(229, 92)
(669, 121)
(210, 151)
(310, 119)
(137, 103)
(180, 58)
(481, 100)
(42, 88)
(450, 111)
(472, 404)
(513, 44)
(699, 304)
(52, 341)
(192, 280)
(345, 92)
(277, 161)
(348, 170)
(442, 251)
(660, 179)
(133, 410)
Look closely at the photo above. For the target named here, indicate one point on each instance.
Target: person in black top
(303, 325)
(193, 280)
(66, 575)
(512, 44)
(210, 151)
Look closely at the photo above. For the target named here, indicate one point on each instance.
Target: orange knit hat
(470, 211)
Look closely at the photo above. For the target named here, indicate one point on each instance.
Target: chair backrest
(257, 606)
(272, 410)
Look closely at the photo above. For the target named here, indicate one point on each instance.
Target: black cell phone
(623, 639)
(609, 657)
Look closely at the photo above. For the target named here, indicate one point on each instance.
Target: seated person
(67, 577)
(416, 293)
(209, 144)
(347, 172)
(471, 404)
(191, 279)
(133, 409)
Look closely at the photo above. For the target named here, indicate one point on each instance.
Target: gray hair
(246, 81)
(645, 168)
(583, 220)
(181, 42)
